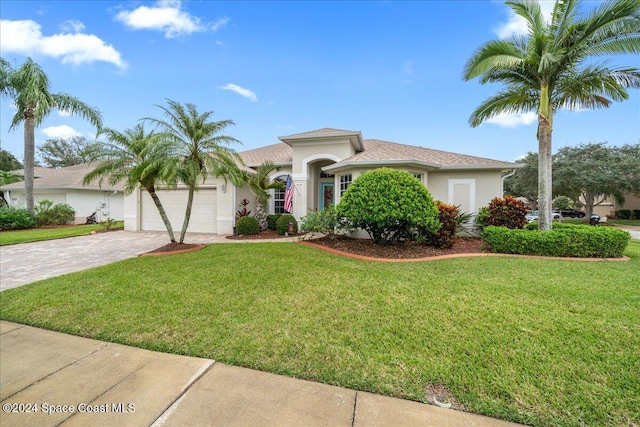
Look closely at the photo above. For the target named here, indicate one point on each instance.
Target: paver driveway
(29, 262)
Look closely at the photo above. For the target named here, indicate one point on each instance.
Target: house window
(278, 197)
(417, 175)
(345, 181)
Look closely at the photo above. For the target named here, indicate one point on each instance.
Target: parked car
(533, 216)
(570, 213)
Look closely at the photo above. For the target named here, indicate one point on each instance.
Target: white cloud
(166, 16)
(240, 91)
(64, 113)
(71, 26)
(517, 25)
(62, 131)
(513, 120)
(26, 38)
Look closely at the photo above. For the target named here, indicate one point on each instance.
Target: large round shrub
(247, 225)
(390, 205)
(48, 213)
(12, 218)
(282, 225)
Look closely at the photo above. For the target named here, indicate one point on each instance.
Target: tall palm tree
(29, 87)
(259, 184)
(199, 148)
(554, 67)
(136, 158)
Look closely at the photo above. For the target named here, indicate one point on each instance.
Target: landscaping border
(450, 256)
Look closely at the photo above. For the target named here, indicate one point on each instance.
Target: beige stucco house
(65, 185)
(322, 164)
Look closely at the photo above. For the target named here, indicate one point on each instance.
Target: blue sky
(392, 70)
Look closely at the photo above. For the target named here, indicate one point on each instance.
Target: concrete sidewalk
(49, 379)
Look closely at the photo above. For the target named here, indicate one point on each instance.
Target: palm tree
(199, 148)
(136, 158)
(553, 67)
(259, 184)
(29, 85)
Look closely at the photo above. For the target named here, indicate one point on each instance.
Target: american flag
(288, 195)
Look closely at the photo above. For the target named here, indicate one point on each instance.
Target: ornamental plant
(390, 205)
(508, 212)
(247, 225)
(445, 237)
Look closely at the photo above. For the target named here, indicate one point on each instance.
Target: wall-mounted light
(224, 187)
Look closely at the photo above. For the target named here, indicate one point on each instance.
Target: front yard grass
(40, 234)
(540, 342)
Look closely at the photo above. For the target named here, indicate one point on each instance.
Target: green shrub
(561, 202)
(12, 218)
(247, 225)
(445, 237)
(390, 205)
(324, 221)
(624, 214)
(272, 221)
(48, 213)
(282, 225)
(636, 213)
(482, 217)
(508, 212)
(564, 240)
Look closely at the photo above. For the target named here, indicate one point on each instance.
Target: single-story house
(64, 185)
(609, 207)
(322, 164)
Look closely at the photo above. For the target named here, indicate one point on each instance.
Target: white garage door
(203, 212)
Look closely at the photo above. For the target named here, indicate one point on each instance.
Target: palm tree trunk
(163, 214)
(187, 214)
(29, 154)
(260, 215)
(544, 175)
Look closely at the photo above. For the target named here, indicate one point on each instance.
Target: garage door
(203, 212)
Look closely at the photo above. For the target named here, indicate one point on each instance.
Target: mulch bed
(406, 250)
(175, 248)
(269, 234)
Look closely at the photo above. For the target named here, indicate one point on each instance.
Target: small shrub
(482, 217)
(445, 237)
(247, 225)
(564, 240)
(324, 221)
(561, 202)
(508, 212)
(390, 205)
(12, 218)
(624, 214)
(636, 213)
(48, 213)
(272, 220)
(282, 225)
(108, 223)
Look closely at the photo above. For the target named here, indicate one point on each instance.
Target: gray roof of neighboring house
(69, 177)
(374, 152)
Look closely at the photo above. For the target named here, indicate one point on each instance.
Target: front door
(326, 194)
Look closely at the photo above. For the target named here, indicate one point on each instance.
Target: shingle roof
(70, 177)
(376, 152)
(279, 154)
(320, 132)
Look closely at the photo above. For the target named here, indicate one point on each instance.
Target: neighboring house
(64, 185)
(609, 207)
(323, 163)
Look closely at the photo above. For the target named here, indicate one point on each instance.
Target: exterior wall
(106, 204)
(488, 184)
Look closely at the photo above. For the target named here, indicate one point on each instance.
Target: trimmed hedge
(564, 240)
(247, 225)
(282, 225)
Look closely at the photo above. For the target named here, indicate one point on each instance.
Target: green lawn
(39, 234)
(541, 342)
